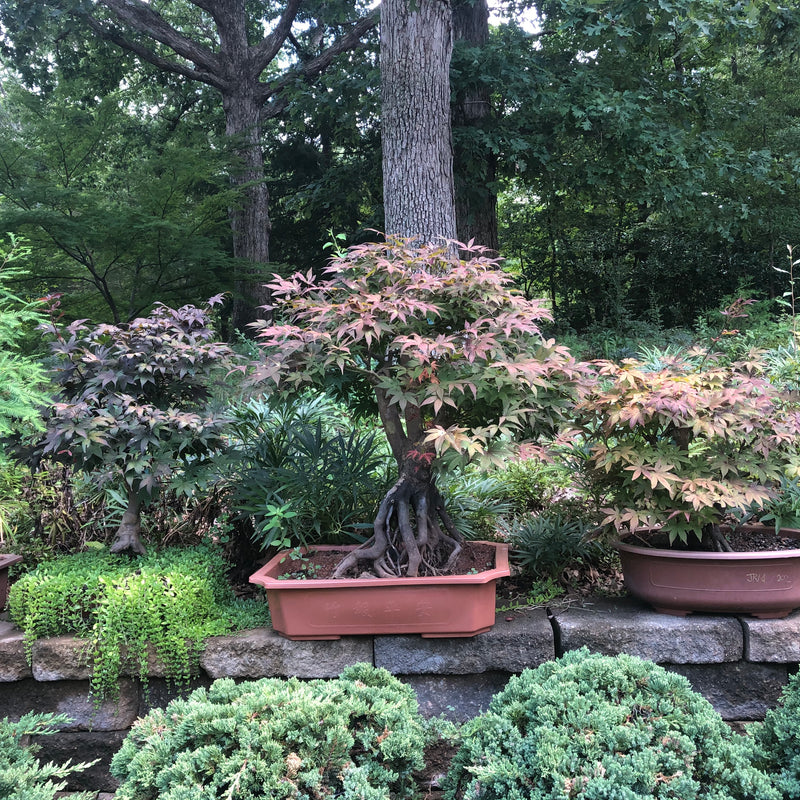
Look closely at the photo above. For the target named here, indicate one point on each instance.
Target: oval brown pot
(6, 560)
(440, 606)
(765, 584)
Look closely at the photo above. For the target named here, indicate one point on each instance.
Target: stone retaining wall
(740, 664)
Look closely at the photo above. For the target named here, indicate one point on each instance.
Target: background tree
(121, 206)
(474, 163)
(632, 187)
(418, 189)
(221, 44)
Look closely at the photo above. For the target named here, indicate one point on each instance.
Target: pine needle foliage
(164, 604)
(603, 728)
(22, 775)
(359, 737)
(778, 738)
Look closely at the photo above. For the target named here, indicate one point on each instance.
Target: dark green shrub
(359, 737)
(544, 545)
(603, 728)
(22, 775)
(778, 738)
(475, 501)
(169, 601)
(306, 471)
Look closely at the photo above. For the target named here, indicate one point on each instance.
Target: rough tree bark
(416, 45)
(237, 68)
(475, 169)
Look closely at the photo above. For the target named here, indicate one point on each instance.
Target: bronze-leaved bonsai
(453, 357)
(133, 403)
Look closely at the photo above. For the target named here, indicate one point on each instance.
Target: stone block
(71, 698)
(82, 747)
(13, 664)
(159, 692)
(738, 691)
(262, 653)
(456, 697)
(516, 641)
(625, 625)
(772, 640)
(60, 658)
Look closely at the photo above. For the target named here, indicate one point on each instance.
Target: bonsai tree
(676, 445)
(452, 356)
(134, 402)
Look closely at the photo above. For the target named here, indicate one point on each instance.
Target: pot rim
(263, 578)
(696, 555)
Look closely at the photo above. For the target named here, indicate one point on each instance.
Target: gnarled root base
(127, 536)
(413, 534)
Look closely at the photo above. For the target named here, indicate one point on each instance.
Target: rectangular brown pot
(440, 606)
(5, 562)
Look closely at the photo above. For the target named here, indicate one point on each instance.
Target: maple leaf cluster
(678, 446)
(453, 355)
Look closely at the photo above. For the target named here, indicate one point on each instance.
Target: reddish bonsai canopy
(453, 357)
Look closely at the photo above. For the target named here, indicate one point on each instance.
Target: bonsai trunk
(413, 534)
(127, 535)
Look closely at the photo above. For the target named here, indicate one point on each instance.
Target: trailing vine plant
(164, 605)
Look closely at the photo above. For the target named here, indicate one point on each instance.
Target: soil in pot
(741, 538)
(320, 564)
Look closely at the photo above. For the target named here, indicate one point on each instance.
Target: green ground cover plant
(603, 728)
(359, 737)
(165, 604)
(22, 775)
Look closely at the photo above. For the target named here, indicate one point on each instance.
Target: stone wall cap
(625, 625)
(518, 639)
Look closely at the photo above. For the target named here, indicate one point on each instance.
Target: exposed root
(412, 534)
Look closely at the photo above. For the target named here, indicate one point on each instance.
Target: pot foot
(780, 614)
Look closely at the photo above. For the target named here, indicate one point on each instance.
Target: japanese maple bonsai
(133, 402)
(679, 445)
(674, 450)
(453, 358)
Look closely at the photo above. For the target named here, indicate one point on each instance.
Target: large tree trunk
(416, 45)
(250, 221)
(475, 167)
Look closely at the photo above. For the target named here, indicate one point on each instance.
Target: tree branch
(141, 17)
(271, 44)
(151, 57)
(319, 64)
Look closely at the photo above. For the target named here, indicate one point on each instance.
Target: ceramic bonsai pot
(441, 606)
(5, 562)
(765, 584)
